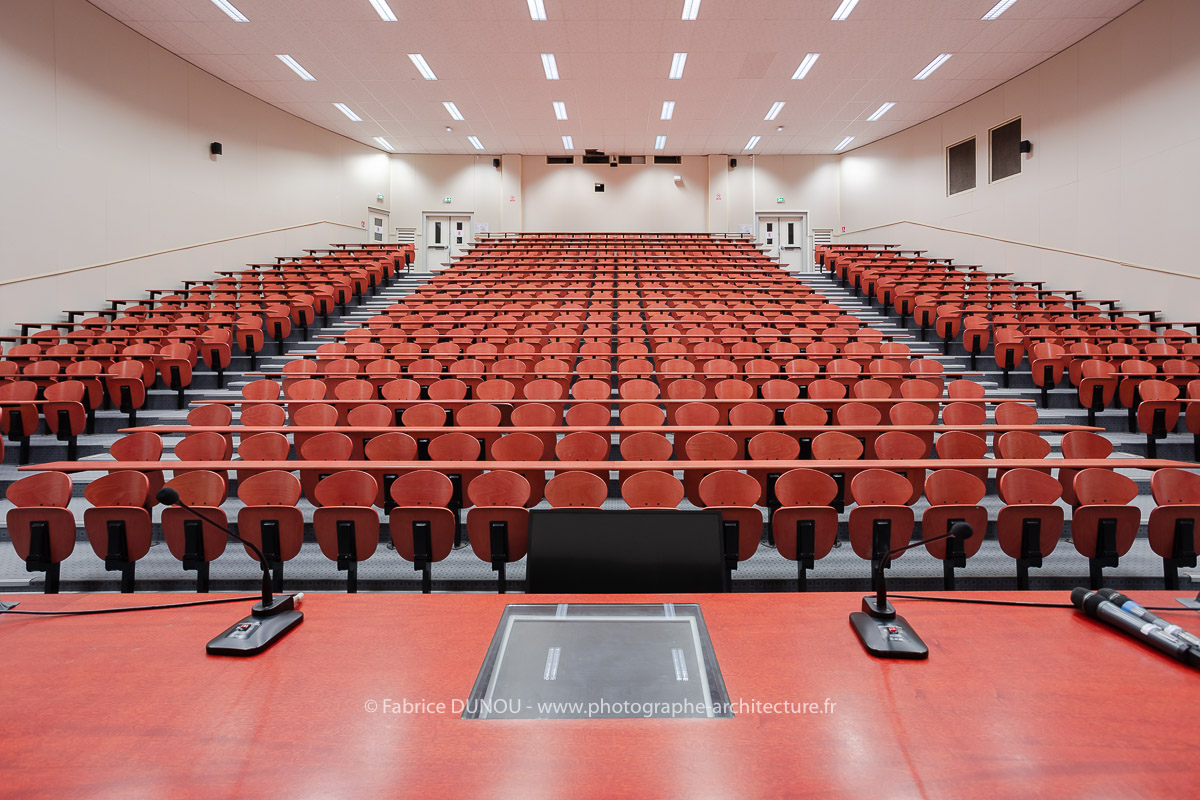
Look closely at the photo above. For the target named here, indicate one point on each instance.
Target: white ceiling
(613, 58)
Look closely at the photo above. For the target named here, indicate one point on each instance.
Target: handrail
(1130, 264)
(171, 250)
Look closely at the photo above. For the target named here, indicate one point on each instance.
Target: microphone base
(884, 634)
(1189, 602)
(254, 634)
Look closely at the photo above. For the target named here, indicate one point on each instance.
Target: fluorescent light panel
(844, 10)
(879, 112)
(345, 109)
(537, 10)
(295, 67)
(660, 143)
(805, 66)
(385, 144)
(997, 10)
(845, 142)
(560, 110)
(691, 8)
(478, 145)
(383, 10)
(668, 109)
(677, 62)
(422, 67)
(775, 109)
(750, 145)
(568, 143)
(452, 109)
(230, 11)
(550, 65)
(933, 65)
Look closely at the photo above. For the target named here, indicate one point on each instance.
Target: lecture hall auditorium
(533, 399)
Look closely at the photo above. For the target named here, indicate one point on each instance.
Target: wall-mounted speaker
(215, 149)
(1026, 146)
(496, 163)
(733, 163)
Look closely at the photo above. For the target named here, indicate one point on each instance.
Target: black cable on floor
(85, 612)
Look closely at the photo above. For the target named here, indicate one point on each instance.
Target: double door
(446, 238)
(784, 238)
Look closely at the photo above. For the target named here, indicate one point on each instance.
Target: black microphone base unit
(254, 634)
(885, 634)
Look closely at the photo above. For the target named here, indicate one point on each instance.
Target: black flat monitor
(590, 551)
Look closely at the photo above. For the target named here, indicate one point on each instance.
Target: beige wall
(105, 145)
(636, 197)
(1115, 127)
(529, 194)
(420, 184)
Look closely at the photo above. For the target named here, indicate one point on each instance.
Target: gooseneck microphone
(1128, 604)
(1094, 605)
(269, 619)
(883, 632)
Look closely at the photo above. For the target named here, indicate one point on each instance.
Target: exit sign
(778, 199)
(447, 199)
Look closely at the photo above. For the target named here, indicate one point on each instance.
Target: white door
(447, 237)
(377, 226)
(785, 238)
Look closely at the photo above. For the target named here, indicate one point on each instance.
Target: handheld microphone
(882, 632)
(269, 619)
(1094, 605)
(1128, 604)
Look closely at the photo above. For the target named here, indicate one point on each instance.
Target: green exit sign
(778, 199)
(447, 199)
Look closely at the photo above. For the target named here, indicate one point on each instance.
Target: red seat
(805, 525)
(117, 524)
(902, 446)
(1080, 444)
(839, 446)
(421, 525)
(346, 525)
(1029, 526)
(522, 446)
(19, 422)
(125, 385)
(41, 526)
(953, 496)
(770, 446)
(1158, 413)
(142, 446)
(652, 489)
(1104, 525)
(498, 522)
(1173, 524)
(735, 495)
(390, 446)
(584, 446)
(576, 490)
(270, 519)
(1097, 387)
(643, 446)
(193, 541)
(65, 413)
(881, 522)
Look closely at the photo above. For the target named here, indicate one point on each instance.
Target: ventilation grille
(406, 236)
(822, 236)
(560, 159)
(668, 159)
